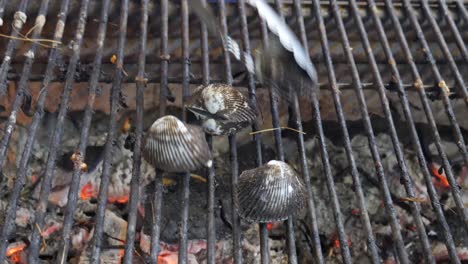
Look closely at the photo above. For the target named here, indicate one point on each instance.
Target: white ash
(371, 188)
(80, 238)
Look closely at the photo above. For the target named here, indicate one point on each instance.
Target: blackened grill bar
(343, 23)
(135, 182)
(415, 139)
(21, 175)
(75, 183)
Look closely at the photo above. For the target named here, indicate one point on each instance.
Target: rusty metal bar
(96, 246)
(185, 189)
(19, 20)
(210, 172)
(327, 170)
(157, 200)
(135, 182)
(414, 135)
(291, 245)
(462, 9)
(445, 49)
(264, 248)
(386, 195)
(8, 223)
(75, 182)
(56, 137)
(341, 118)
(23, 87)
(450, 114)
(453, 28)
(406, 179)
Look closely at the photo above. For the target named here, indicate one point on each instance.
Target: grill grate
(346, 36)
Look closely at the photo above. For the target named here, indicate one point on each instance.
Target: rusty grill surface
(404, 46)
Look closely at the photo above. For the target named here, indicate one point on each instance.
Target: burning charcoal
(65, 165)
(174, 146)
(221, 109)
(272, 192)
(15, 252)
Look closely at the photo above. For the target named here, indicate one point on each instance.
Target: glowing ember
(269, 226)
(120, 200)
(441, 180)
(16, 258)
(168, 258)
(127, 125)
(273, 225)
(336, 243)
(15, 248)
(87, 192)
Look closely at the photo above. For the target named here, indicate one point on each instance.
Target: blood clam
(221, 109)
(174, 146)
(272, 192)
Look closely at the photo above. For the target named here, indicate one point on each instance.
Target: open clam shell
(272, 192)
(173, 146)
(221, 108)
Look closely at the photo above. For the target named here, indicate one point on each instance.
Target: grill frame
(164, 82)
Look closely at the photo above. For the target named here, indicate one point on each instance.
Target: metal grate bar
(291, 243)
(347, 143)
(12, 44)
(211, 229)
(56, 137)
(19, 20)
(185, 190)
(445, 49)
(236, 231)
(135, 182)
(163, 91)
(77, 173)
(111, 135)
(451, 116)
(407, 181)
(310, 201)
(22, 90)
(453, 28)
(387, 199)
(264, 248)
(252, 95)
(8, 223)
(462, 9)
(414, 135)
(327, 169)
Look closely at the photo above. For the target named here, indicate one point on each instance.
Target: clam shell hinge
(221, 108)
(173, 146)
(272, 192)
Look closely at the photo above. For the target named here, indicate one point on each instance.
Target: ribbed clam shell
(272, 192)
(228, 108)
(173, 146)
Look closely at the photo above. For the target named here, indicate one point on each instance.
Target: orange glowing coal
(441, 180)
(13, 249)
(337, 243)
(119, 199)
(87, 192)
